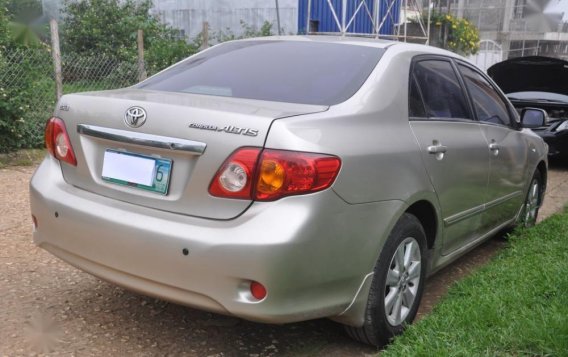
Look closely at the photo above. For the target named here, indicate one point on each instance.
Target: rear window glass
(282, 71)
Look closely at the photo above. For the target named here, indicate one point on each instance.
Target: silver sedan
(289, 178)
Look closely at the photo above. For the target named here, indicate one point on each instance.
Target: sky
(557, 6)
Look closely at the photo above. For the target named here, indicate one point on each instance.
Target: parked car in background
(289, 178)
(538, 82)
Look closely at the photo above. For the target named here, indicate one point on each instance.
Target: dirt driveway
(45, 303)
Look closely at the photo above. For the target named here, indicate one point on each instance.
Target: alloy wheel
(403, 279)
(531, 204)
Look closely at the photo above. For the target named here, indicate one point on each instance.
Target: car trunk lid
(196, 133)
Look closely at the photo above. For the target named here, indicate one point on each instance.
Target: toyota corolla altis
(289, 178)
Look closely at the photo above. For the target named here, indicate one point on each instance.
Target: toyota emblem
(135, 117)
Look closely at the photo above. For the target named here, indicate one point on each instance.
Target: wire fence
(27, 75)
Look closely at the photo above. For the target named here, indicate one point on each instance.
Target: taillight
(57, 141)
(273, 174)
(234, 178)
(285, 173)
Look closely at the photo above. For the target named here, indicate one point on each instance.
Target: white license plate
(139, 171)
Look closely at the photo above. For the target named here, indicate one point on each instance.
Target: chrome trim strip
(478, 209)
(131, 137)
(464, 215)
(502, 199)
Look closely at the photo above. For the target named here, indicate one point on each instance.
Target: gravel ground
(47, 305)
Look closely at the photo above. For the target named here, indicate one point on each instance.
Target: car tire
(394, 298)
(531, 205)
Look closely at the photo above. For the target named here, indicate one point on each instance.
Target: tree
(24, 11)
(455, 34)
(109, 28)
(3, 26)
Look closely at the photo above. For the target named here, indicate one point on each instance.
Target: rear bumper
(311, 252)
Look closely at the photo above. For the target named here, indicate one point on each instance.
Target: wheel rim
(531, 204)
(403, 278)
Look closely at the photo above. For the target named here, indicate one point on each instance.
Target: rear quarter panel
(371, 134)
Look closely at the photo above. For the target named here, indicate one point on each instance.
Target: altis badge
(227, 129)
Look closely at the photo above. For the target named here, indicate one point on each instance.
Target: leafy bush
(455, 34)
(11, 118)
(109, 28)
(248, 31)
(26, 98)
(26, 89)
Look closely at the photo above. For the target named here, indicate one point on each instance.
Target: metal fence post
(141, 65)
(278, 18)
(56, 53)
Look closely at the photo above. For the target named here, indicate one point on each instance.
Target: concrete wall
(223, 15)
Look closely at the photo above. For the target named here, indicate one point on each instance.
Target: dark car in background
(538, 82)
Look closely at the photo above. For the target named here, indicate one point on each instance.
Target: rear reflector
(271, 174)
(57, 141)
(257, 290)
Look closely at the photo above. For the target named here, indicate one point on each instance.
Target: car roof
(359, 41)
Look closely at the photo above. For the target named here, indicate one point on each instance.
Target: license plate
(138, 171)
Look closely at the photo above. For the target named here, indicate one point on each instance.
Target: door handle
(437, 148)
(494, 147)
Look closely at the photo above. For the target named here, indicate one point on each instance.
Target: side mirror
(533, 118)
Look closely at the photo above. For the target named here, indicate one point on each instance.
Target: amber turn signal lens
(272, 176)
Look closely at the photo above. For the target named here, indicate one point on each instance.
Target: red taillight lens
(57, 141)
(272, 174)
(285, 173)
(235, 177)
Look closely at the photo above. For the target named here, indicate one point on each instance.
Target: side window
(488, 104)
(441, 90)
(415, 104)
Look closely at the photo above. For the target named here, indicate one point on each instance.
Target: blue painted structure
(321, 12)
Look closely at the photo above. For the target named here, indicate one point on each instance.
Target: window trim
(434, 57)
(513, 124)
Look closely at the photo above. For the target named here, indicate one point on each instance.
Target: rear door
(453, 147)
(509, 149)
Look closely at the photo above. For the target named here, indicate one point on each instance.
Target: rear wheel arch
(381, 303)
(426, 213)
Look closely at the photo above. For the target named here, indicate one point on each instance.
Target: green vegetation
(15, 132)
(515, 306)
(452, 33)
(109, 28)
(247, 31)
(24, 11)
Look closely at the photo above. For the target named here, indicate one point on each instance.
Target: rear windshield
(282, 71)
